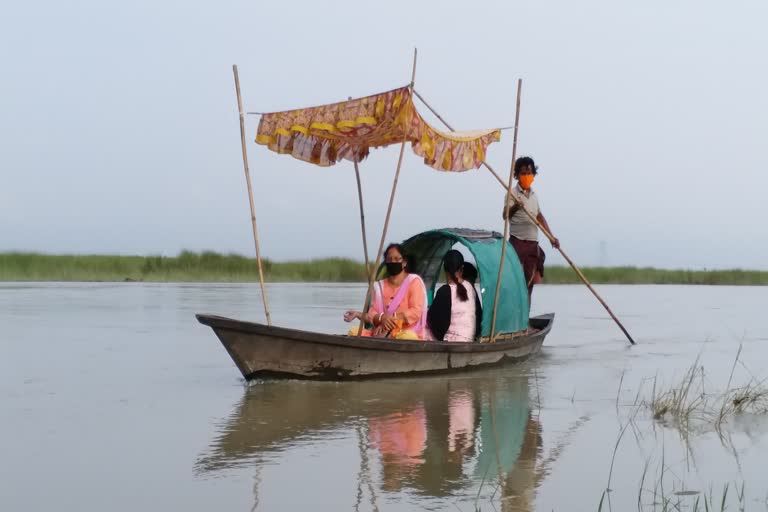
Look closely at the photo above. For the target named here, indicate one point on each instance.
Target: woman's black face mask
(394, 267)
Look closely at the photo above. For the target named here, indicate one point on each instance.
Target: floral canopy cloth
(326, 134)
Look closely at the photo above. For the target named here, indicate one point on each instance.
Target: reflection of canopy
(325, 134)
(503, 419)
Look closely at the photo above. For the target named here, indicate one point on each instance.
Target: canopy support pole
(362, 218)
(506, 220)
(362, 223)
(372, 273)
(541, 227)
(250, 194)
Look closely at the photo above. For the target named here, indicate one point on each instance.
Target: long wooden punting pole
(506, 221)
(541, 227)
(372, 273)
(250, 194)
(362, 223)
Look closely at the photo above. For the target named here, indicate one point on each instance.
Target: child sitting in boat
(398, 309)
(455, 314)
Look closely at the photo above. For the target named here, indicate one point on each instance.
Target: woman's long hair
(452, 264)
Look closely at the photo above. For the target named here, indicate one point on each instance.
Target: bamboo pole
(365, 471)
(362, 217)
(250, 194)
(362, 223)
(506, 220)
(542, 228)
(372, 274)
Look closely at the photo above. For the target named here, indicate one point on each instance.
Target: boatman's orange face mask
(525, 180)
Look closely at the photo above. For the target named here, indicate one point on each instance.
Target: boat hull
(261, 351)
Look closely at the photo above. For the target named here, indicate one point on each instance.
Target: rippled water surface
(113, 397)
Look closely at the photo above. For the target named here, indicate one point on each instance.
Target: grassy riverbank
(186, 267)
(214, 267)
(635, 275)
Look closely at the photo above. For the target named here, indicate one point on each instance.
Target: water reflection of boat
(435, 437)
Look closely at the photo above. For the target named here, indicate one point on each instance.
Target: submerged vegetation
(690, 402)
(215, 267)
(689, 406)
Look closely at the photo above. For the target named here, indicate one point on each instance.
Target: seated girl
(455, 314)
(398, 309)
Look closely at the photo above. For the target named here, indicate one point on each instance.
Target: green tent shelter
(427, 249)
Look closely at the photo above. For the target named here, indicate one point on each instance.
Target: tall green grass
(210, 266)
(187, 266)
(647, 275)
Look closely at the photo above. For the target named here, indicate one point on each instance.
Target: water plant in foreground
(689, 402)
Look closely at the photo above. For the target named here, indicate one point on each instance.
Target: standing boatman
(523, 231)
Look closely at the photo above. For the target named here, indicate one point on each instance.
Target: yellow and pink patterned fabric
(326, 134)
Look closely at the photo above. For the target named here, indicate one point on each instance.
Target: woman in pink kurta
(398, 308)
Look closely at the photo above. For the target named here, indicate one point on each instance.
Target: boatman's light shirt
(520, 225)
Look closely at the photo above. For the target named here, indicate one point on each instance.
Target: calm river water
(113, 397)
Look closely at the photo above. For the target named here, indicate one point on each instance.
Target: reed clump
(689, 403)
(684, 401)
(679, 498)
(667, 491)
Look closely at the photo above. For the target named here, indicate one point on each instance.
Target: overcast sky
(648, 120)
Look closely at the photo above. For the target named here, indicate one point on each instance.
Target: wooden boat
(260, 350)
(324, 135)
